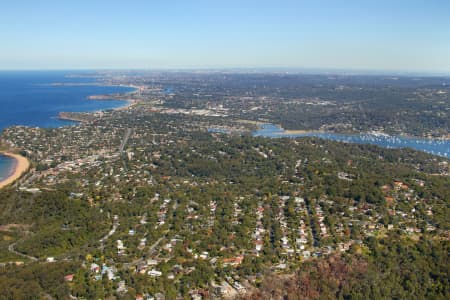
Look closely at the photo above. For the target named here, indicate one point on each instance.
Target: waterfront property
(440, 147)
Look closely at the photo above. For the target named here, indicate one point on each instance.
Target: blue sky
(400, 35)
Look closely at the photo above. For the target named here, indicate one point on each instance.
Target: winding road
(12, 250)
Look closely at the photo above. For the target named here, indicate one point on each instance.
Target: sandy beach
(130, 104)
(22, 165)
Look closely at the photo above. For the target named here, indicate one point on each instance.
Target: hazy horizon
(262, 70)
(376, 36)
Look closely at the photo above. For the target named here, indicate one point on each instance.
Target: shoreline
(20, 167)
(301, 131)
(65, 116)
(284, 132)
(128, 103)
(435, 146)
(405, 136)
(111, 97)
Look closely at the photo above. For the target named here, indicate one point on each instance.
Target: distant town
(172, 197)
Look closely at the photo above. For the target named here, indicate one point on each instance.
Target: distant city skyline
(372, 35)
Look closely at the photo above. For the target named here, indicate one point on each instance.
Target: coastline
(86, 117)
(301, 131)
(438, 147)
(21, 166)
(283, 132)
(405, 136)
(128, 103)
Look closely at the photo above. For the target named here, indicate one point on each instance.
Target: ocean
(30, 98)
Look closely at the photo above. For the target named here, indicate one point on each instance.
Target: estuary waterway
(440, 147)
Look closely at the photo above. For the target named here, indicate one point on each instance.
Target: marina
(439, 147)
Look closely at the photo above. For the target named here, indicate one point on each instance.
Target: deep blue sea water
(29, 98)
(433, 146)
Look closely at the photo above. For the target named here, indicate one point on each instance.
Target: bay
(440, 147)
(35, 98)
(31, 98)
